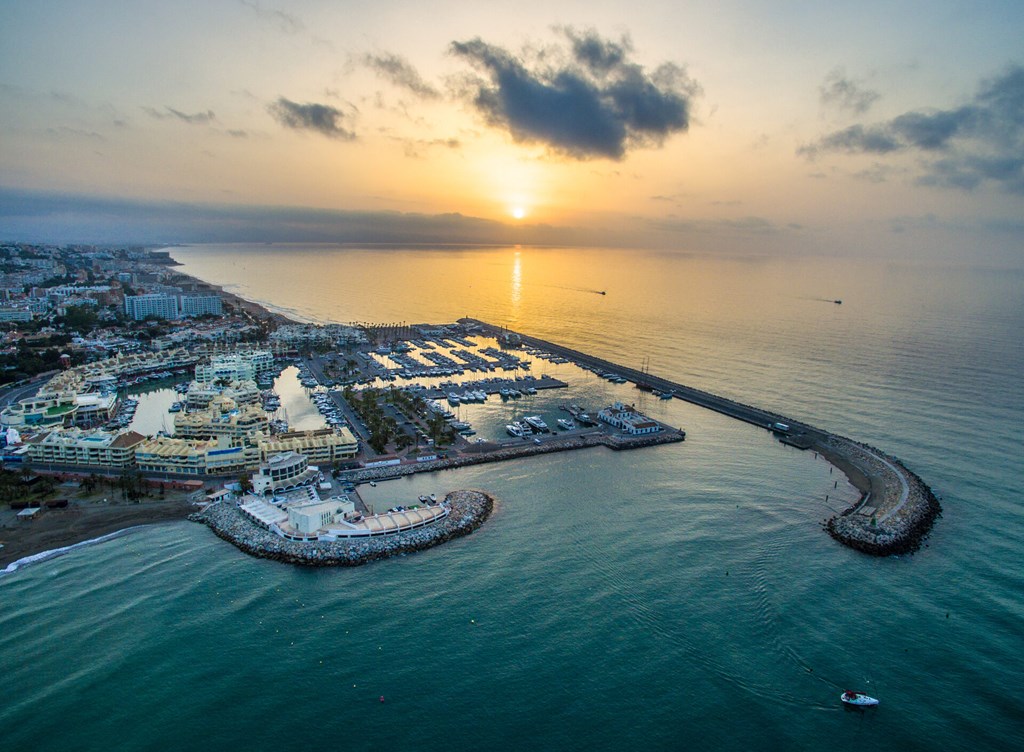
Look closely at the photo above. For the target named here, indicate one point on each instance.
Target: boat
(565, 425)
(514, 429)
(858, 699)
(536, 423)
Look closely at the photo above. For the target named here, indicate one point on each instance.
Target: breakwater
(469, 510)
(615, 442)
(895, 515)
(896, 510)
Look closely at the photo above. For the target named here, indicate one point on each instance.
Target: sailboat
(643, 383)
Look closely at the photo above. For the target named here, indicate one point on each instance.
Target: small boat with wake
(858, 699)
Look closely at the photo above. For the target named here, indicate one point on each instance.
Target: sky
(877, 128)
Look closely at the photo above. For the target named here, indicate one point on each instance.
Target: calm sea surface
(682, 597)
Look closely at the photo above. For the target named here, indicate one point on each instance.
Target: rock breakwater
(469, 510)
(896, 510)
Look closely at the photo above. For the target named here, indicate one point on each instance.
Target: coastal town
(123, 329)
(127, 384)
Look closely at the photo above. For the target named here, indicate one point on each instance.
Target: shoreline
(62, 530)
(469, 510)
(42, 556)
(257, 310)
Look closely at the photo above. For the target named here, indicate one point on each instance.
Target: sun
(517, 212)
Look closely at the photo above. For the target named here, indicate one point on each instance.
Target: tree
(81, 318)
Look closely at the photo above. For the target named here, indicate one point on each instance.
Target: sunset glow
(685, 127)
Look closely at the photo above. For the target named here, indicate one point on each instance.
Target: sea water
(679, 597)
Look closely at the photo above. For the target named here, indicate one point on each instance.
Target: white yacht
(566, 425)
(536, 423)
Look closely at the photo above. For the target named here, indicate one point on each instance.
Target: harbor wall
(906, 507)
(469, 510)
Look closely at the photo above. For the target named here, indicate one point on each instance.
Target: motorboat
(514, 429)
(858, 699)
(566, 425)
(536, 423)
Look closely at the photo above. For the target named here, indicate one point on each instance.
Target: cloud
(63, 218)
(962, 147)
(285, 21)
(400, 72)
(592, 102)
(414, 148)
(751, 225)
(198, 118)
(846, 94)
(311, 116)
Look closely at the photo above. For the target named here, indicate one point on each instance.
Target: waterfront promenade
(896, 508)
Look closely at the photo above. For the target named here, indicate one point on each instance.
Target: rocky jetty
(469, 510)
(895, 512)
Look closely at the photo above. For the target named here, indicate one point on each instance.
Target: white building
(199, 305)
(96, 448)
(156, 304)
(628, 419)
(282, 472)
(311, 518)
(241, 366)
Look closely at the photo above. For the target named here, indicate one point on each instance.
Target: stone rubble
(901, 533)
(469, 510)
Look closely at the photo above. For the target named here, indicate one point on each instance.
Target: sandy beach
(82, 521)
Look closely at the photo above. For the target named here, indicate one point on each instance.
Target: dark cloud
(856, 139)
(599, 55)
(963, 147)
(400, 72)
(198, 118)
(311, 116)
(595, 103)
(845, 94)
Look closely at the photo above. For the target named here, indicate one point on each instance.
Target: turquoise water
(677, 597)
